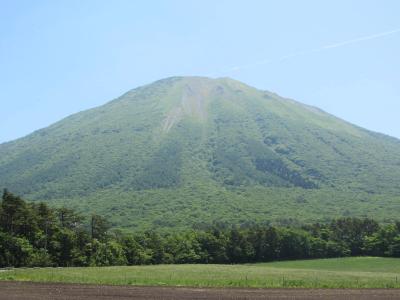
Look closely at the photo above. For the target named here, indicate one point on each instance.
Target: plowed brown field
(46, 291)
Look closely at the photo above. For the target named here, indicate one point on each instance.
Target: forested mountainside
(191, 150)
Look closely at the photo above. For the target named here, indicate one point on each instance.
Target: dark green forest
(35, 235)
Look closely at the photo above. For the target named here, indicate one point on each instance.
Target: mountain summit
(187, 150)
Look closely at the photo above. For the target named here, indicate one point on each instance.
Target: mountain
(192, 150)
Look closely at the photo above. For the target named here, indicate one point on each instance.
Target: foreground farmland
(50, 291)
(357, 272)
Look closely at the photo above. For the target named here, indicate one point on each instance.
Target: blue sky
(61, 57)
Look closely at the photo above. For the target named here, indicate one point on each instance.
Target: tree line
(33, 234)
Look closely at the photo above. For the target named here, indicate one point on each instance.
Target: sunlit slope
(186, 134)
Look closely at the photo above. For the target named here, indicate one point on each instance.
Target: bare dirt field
(46, 291)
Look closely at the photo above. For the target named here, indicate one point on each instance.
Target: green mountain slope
(186, 150)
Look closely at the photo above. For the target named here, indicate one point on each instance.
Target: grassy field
(359, 272)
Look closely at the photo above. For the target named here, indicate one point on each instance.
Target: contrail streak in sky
(361, 39)
(327, 47)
